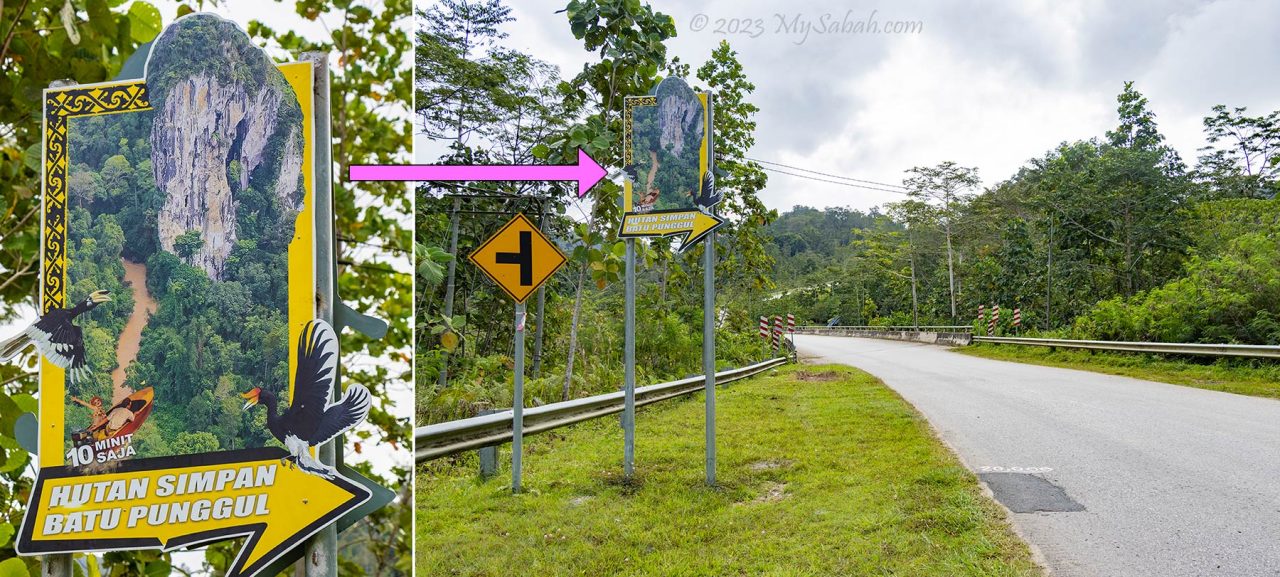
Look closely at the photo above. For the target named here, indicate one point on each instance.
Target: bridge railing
(441, 439)
(962, 335)
(818, 329)
(955, 335)
(1201, 349)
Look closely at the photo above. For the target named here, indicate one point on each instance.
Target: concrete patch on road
(1024, 493)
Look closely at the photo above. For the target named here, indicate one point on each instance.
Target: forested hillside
(1115, 237)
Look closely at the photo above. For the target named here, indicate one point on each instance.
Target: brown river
(135, 274)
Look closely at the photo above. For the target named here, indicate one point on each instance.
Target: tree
(454, 88)
(946, 184)
(737, 178)
(117, 176)
(188, 243)
(188, 443)
(630, 39)
(1242, 159)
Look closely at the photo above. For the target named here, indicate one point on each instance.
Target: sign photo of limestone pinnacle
(668, 152)
(181, 268)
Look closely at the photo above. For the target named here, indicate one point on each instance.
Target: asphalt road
(1172, 480)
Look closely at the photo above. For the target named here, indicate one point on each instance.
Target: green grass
(830, 476)
(1256, 378)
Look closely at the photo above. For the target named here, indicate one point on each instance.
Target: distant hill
(805, 238)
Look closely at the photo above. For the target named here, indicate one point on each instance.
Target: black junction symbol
(524, 258)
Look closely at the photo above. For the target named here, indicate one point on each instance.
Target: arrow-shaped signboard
(691, 224)
(251, 493)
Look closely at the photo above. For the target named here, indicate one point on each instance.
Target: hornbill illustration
(56, 338)
(707, 196)
(311, 419)
(631, 173)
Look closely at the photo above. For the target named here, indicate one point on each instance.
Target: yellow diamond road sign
(519, 258)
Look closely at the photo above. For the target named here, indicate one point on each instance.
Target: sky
(984, 84)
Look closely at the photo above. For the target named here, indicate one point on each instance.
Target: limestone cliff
(220, 129)
(679, 115)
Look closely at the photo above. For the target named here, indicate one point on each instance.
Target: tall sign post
(123, 463)
(629, 364)
(709, 308)
(518, 258)
(669, 158)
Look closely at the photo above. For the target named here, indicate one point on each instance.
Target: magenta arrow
(587, 172)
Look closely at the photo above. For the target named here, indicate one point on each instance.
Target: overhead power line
(871, 182)
(842, 183)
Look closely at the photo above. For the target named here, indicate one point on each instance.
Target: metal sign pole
(321, 559)
(517, 402)
(629, 365)
(709, 309)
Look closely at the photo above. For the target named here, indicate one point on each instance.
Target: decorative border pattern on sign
(60, 106)
(628, 104)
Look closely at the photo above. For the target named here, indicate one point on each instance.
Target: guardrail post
(488, 455)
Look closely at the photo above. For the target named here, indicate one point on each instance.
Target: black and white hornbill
(311, 419)
(631, 173)
(57, 338)
(707, 196)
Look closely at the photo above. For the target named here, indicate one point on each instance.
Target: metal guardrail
(441, 439)
(1211, 350)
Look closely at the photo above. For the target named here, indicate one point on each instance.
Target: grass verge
(1244, 377)
(822, 471)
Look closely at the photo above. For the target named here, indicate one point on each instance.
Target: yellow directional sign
(250, 492)
(693, 224)
(519, 258)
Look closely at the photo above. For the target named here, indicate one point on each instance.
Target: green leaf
(144, 21)
(541, 151)
(620, 249)
(31, 157)
(158, 569)
(13, 567)
(6, 533)
(12, 457)
(430, 271)
(26, 403)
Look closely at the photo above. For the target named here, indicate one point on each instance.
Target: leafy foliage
(1109, 238)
